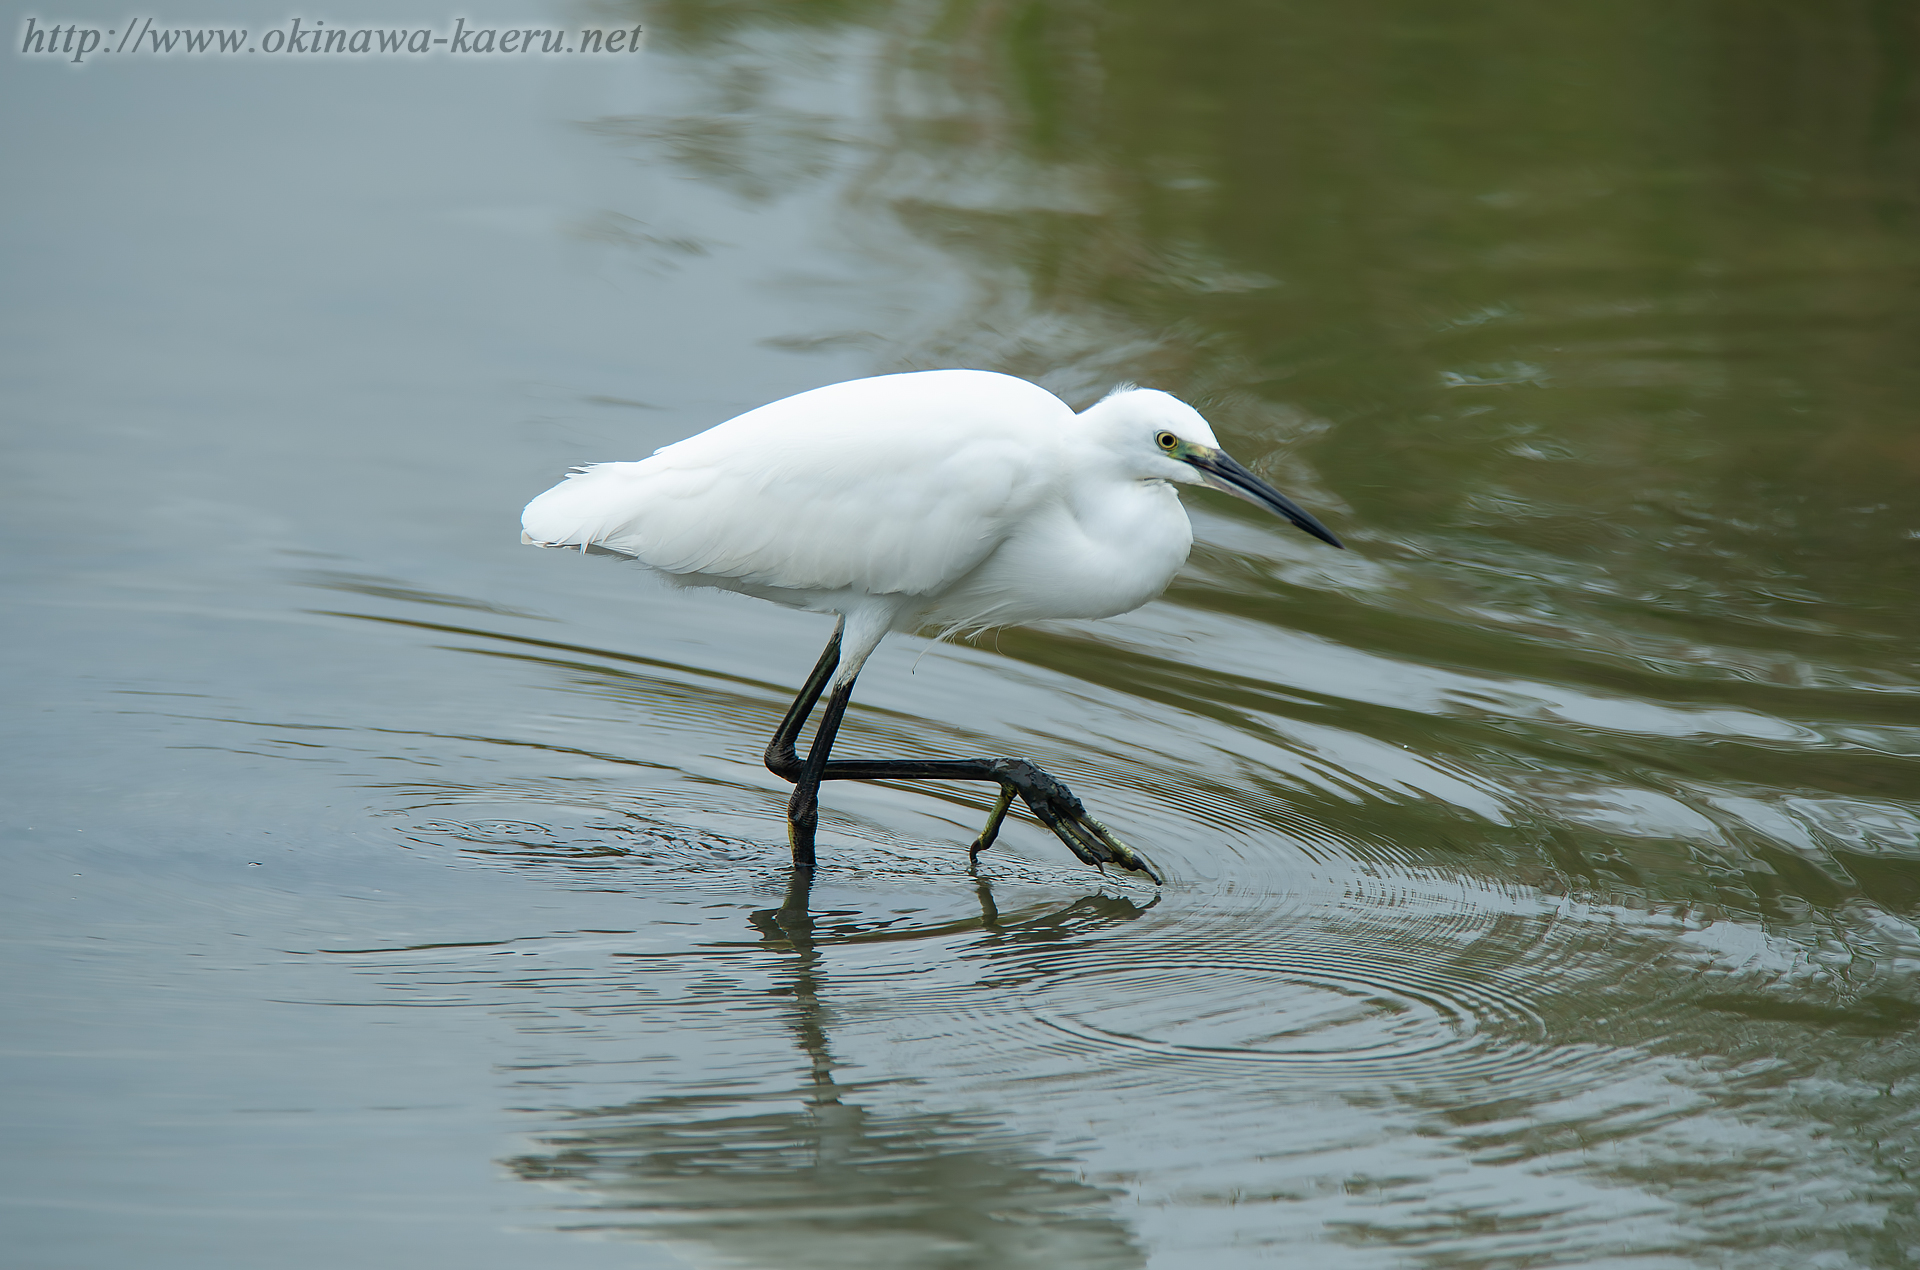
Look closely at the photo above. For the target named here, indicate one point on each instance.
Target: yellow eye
(1166, 440)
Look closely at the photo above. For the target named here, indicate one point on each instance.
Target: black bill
(1223, 473)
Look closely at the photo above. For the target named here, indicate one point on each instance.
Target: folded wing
(900, 484)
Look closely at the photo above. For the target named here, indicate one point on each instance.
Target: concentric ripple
(1312, 1009)
(1398, 980)
(1315, 990)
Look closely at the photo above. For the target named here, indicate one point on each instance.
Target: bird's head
(1163, 438)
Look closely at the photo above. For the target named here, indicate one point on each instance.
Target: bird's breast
(1130, 545)
(1085, 557)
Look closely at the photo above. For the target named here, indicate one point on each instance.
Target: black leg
(803, 810)
(1052, 803)
(782, 761)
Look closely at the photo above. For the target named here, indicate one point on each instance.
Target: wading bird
(950, 500)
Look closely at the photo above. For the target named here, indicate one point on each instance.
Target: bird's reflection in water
(809, 1176)
(1089, 910)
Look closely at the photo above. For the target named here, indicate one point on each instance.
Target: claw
(1123, 855)
(1087, 838)
(1052, 803)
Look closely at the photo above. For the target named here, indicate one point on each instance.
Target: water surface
(1543, 870)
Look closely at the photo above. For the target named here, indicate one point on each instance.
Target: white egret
(953, 500)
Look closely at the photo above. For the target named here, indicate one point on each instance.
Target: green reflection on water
(1600, 324)
(1593, 330)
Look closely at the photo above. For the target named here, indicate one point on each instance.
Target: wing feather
(899, 484)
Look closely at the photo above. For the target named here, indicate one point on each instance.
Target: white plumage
(950, 499)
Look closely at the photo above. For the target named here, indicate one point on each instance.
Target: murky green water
(1545, 868)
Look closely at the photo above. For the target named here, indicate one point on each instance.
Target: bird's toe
(1118, 852)
(1092, 841)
